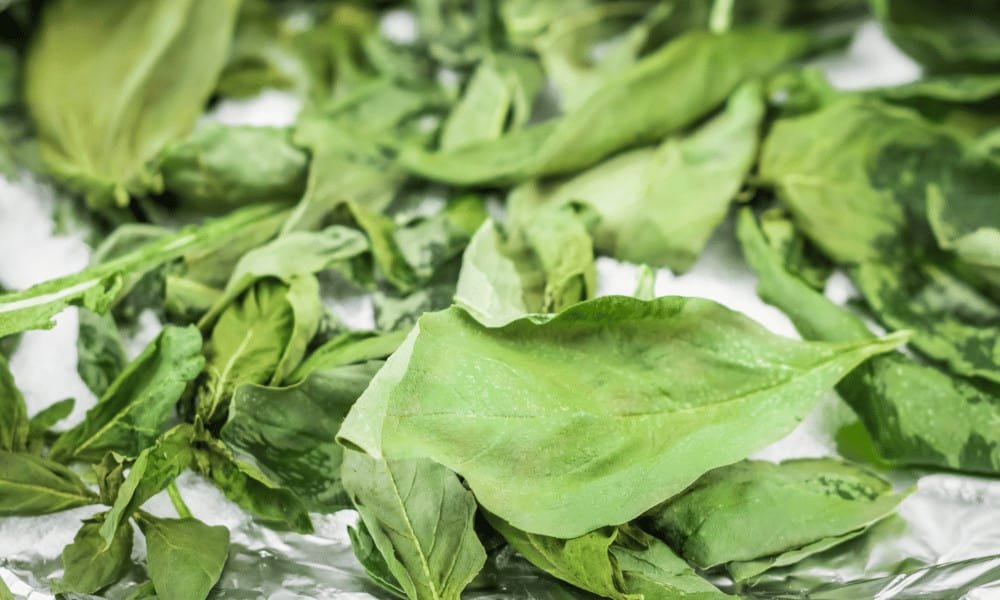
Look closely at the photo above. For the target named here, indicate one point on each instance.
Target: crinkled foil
(943, 543)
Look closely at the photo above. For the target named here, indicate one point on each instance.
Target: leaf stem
(175, 498)
(721, 17)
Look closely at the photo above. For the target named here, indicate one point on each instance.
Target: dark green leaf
(245, 485)
(31, 485)
(635, 358)
(420, 517)
(101, 355)
(89, 565)
(289, 433)
(139, 403)
(372, 560)
(754, 515)
(185, 557)
(220, 167)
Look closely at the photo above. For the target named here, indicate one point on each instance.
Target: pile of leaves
(466, 177)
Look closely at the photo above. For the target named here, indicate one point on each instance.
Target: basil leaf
(643, 197)
(288, 433)
(962, 37)
(101, 120)
(950, 320)
(101, 355)
(96, 287)
(260, 338)
(222, 167)
(88, 565)
(545, 263)
(185, 557)
(966, 103)
(499, 93)
(31, 485)
(135, 409)
(371, 559)
(421, 519)
(756, 509)
(154, 469)
(892, 394)
(348, 348)
(292, 255)
(585, 135)
(247, 486)
(40, 426)
(14, 424)
(619, 563)
(635, 358)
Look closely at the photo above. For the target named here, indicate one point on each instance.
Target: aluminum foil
(943, 543)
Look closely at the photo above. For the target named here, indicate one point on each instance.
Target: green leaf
(185, 557)
(31, 485)
(294, 254)
(966, 103)
(247, 486)
(917, 414)
(139, 403)
(260, 339)
(155, 468)
(101, 355)
(499, 95)
(97, 286)
(289, 433)
(219, 167)
(347, 349)
(544, 264)
(14, 424)
(93, 84)
(755, 509)
(962, 36)
(644, 197)
(635, 359)
(371, 559)
(421, 518)
(587, 134)
(618, 563)
(88, 565)
(40, 426)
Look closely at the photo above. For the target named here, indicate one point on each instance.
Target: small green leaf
(138, 404)
(101, 355)
(14, 424)
(31, 485)
(185, 557)
(421, 519)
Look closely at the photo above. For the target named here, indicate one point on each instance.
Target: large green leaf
(660, 205)
(917, 414)
(289, 432)
(598, 128)
(619, 563)
(31, 485)
(139, 403)
(94, 85)
(185, 557)
(96, 287)
(260, 338)
(89, 564)
(755, 510)
(420, 517)
(510, 401)
(14, 425)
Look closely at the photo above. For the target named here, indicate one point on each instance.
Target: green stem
(721, 18)
(175, 498)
